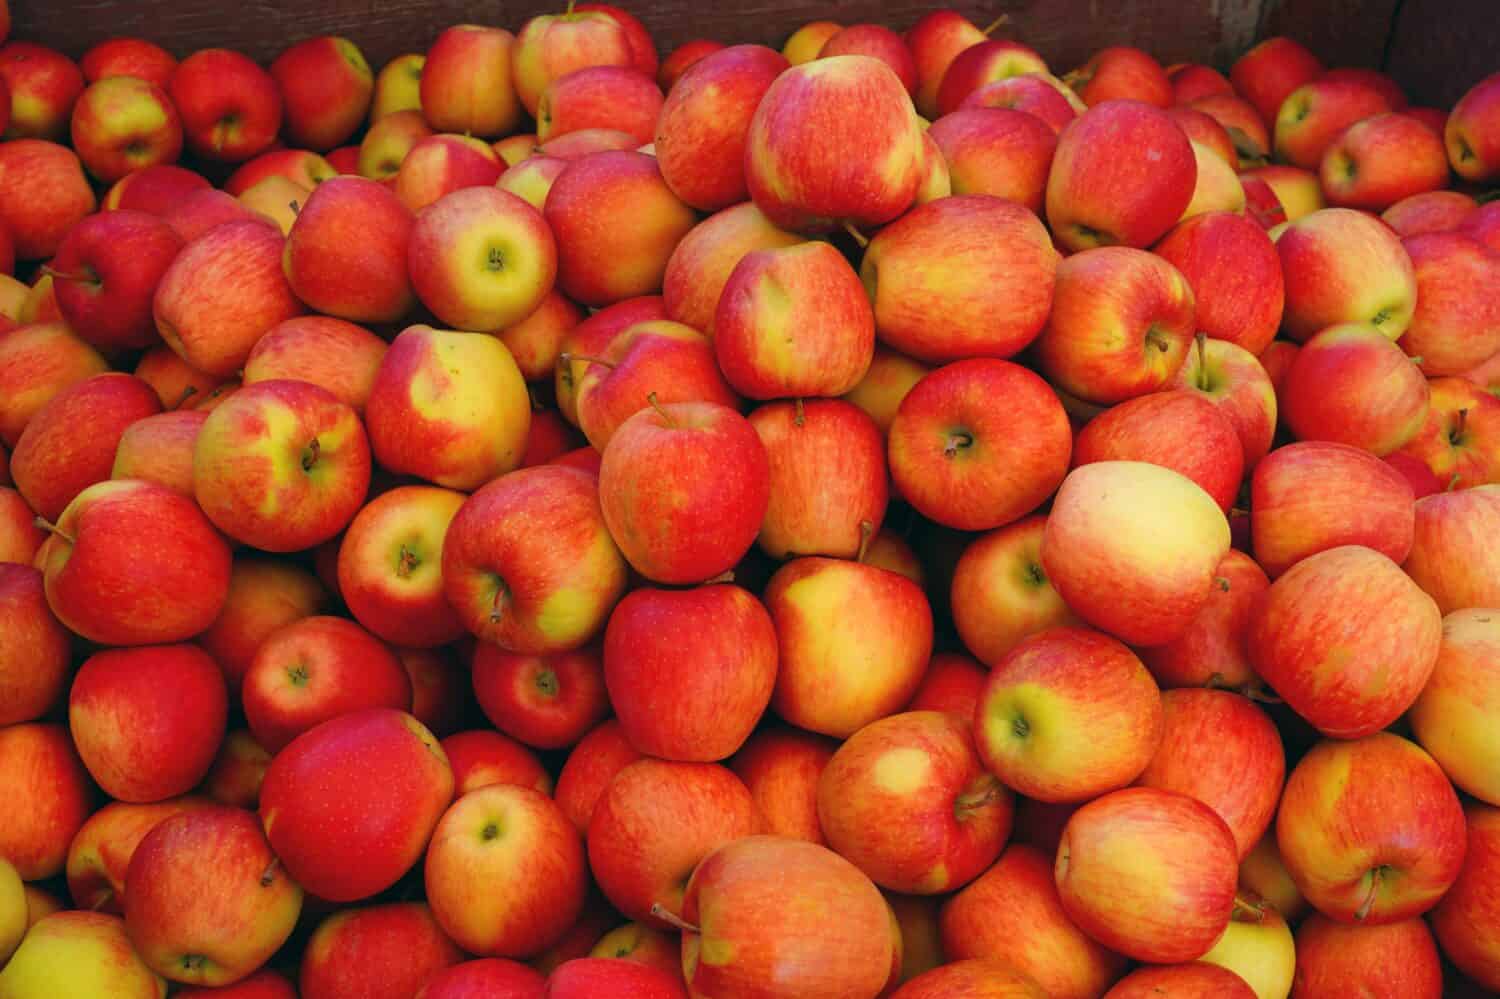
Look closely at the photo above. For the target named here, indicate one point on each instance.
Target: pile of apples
(538, 523)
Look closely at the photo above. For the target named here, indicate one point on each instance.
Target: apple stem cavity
(1247, 911)
(269, 875)
(971, 801)
(52, 528)
(661, 411)
(1460, 424)
(187, 394)
(958, 440)
(568, 358)
(866, 535)
(57, 275)
(310, 454)
(860, 239)
(672, 919)
(103, 900)
(1377, 874)
(407, 562)
(502, 597)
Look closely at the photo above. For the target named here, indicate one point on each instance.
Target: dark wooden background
(1436, 48)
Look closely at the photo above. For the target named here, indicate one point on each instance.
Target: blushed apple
(935, 40)
(1464, 920)
(128, 57)
(106, 272)
(1450, 558)
(330, 353)
(39, 215)
(36, 652)
(123, 124)
(1468, 133)
(1192, 980)
(1380, 160)
(1351, 385)
(1460, 439)
(388, 141)
(1235, 274)
(396, 946)
(589, 768)
(86, 953)
(238, 770)
(617, 97)
(1039, 94)
(1456, 324)
(1344, 266)
(1213, 651)
(490, 976)
(264, 595)
(1430, 211)
(703, 260)
(1271, 70)
(1120, 72)
(1447, 717)
(36, 363)
(781, 767)
(231, 108)
(42, 85)
(536, 341)
(983, 63)
(1334, 958)
(346, 255)
(482, 757)
(1312, 117)
(550, 46)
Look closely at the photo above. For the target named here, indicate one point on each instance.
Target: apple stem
(497, 608)
(296, 208)
(310, 455)
(801, 418)
(727, 576)
(866, 534)
(52, 528)
(1202, 339)
(978, 799)
(859, 238)
(1363, 911)
(1223, 583)
(187, 394)
(661, 411)
(569, 12)
(1459, 425)
(1453, 482)
(955, 441)
(407, 562)
(1416, 360)
(1246, 911)
(990, 28)
(269, 875)
(568, 358)
(102, 900)
(57, 275)
(672, 919)
(1259, 695)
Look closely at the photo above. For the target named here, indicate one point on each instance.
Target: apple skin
(1000, 594)
(1143, 296)
(154, 190)
(20, 537)
(1451, 557)
(809, 288)
(238, 770)
(41, 86)
(37, 362)
(249, 443)
(879, 42)
(43, 194)
(398, 86)
(582, 978)
(955, 458)
(1012, 913)
(1105, 189)
(1355, 680)
(532, 178)
(984, 63)
(1235, 274)
(231, 108)
(1172, 910)
(160, 449)
(485, 978)
(1366, 849)
(114, 263)
(1117, 574)
(1430, 211)
(703, 260)
(1456, 324)
(128, 57)
(616, 97)
(1382, 962)
(1376, 162)
(439, 165)
(1213, 651)
(1315, 114)
(99, 856)
(1196, 980)
(390, 565)
(598, 918)
(40, 771)
(642, 47)
(1067, 715)
(389, 141)
(536, 341)
(276, 200)
(349, 805)
(917, 775)
(83, 954)
(642, 945)
(204, 901)
(602, 260)
(552, 440)
(380, 950)
(996, 151)
(1448, 717)
(14, 911)
(35, 653)
(346, 255)
(653, 825)
(760, 931)
(1008, 259)
(326, 88)
(1468, 134)
(595, 334)
(53, 462)
(510, 837)
(795, 166)
(137, 746)
(935, 40)
(586, 142)
(1268, 73)
(438, 687)
(1296, 510)
(1418, 475)
(781, 767)
(482, 757)
(1343, 266)
(589, 769)
(680, 59)
(549, 47)
(124, 124)
(1460, 440)
(1191, 81)
(263, 984)
(222, 293)
(1351, 385)
(548, 701)
(303, 168)
(854, 642)
(466, 85)
(264, 595)
(1465, 920)
(529, 564)
(196, 213)
(1121, 72)
(330, 353)
(1484, 226)
(316, 669)
(720, 479)
(134, 563)
(1234, 380)
(1221, 749)
(1298, 191)
(973, 979)
(690, 672)
(1040, 94)
(828, 478)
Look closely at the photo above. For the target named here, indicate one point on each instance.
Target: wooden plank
(1340, 32)
(1441, 48)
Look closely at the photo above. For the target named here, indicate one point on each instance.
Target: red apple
(1450, 556)
(382, 950)
(154, 189)
(1195, 980)
(1039, 94)
(536, 341)
(781, 767)
(388, 142)
(1313, 116)
(38, 362)
(238, 770)
(135, 57)
(346, 254)
(1213, 651)
(42, 85)
(1468, 133)
(1376, 162)
(264, 595)
(326, 86)
(1456, 323)
(106, 272)
(1430, 211)
(642, 47)
(549, 47)
(1235, 275)
(123, 124)
(983, 63)
(200, 211)
(1343, 266)
(1465, 920)
(35, 652)
(99, 856)
(41, 773)
(1000, 593)
(1234, 380)
(333, 354)
(481, 758)
(977, 979)
(43, 194)
(590, 768)
(1268, 73)
(702, 262)
(1382, 962)
(616, 97)
(1447, 717)
(680, 59)
(486, 978)
(467, 85)
(304, 169)
(583, 978)
(1351, 385)
(230, 107)
(1460, 440)
(546, 701)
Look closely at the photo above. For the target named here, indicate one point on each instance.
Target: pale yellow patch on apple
(771, 305)
(904, 770)
(12, 910)
(935, 880)
(716, 952)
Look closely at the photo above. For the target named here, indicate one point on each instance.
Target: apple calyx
(666, 417)
(866, 535)
(546, 681)
(1377, 875)
(407, 562)
(957, 440)
(672, 919)
(1155, 339)
(860, 239)
(104, 899)
(310, 454)
(51, 528)
(1460, 423)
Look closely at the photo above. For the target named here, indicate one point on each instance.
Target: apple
(547, 701)
(1213, 651)
(441, 164)
(398, 86)
(590, 767)
(315, 669)
(247, 453)
(198, 212)
(301, 167)
(967, 465)
(586, 141)
(890, 377)
(99, 856)
(980, 978)
(516, 837)
(1234, 380)
(231, 108)
(1000, 593)
(1351, 385)
(20, 536)
(757, 921)
(1191, 81)
(616, 97)
(40, 772)
(263, 984)
(781, 767)
(549, 47)
(38, 362)
(264, 595)
(383, 949)
(536, 341)
(1468, 133)
(642, 48)
(481, 758)
(599, 260)
(1115, 568)
(1313, 496)
(793, 321)
(642, 945)
(1039, 94)
(128, 57)
(1148, 873)
(1299, 191)
(1380, 961)
(597, 919)
(983, 63)
(1450, 556)
(42, 85)
(466, 84)
(122, 124)
(13, 910)
(388, 142)
(1247, 132)
(105, 273)
(1345, 266)
(1068, 714)
(1460, 440)
(1205, 130)
(486, 978)
(531, 179)
(1447, 716)
(1430, 211)
(796, 163)
(689, 672)
(1123, 174)
(333, 354)
(39, 214)
(79, 953)
(1120, 72)
(438, 687)
(1314, 115)
(1235, 274)
(35, 653)
(1465, 919)
(1261, 204)
(704, 259)
(916, 774)
(581, 978)
(1268, 73)
(804, 44)
(326, 86)
(1380, 160)
(1194, 980)
(346, 254)
(528, 562)
(1418, 475)
(935, 40)
(653, 825)
(1455, 324)
(879, 42)
(238, 770)
(553, 439)
(277, 200)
